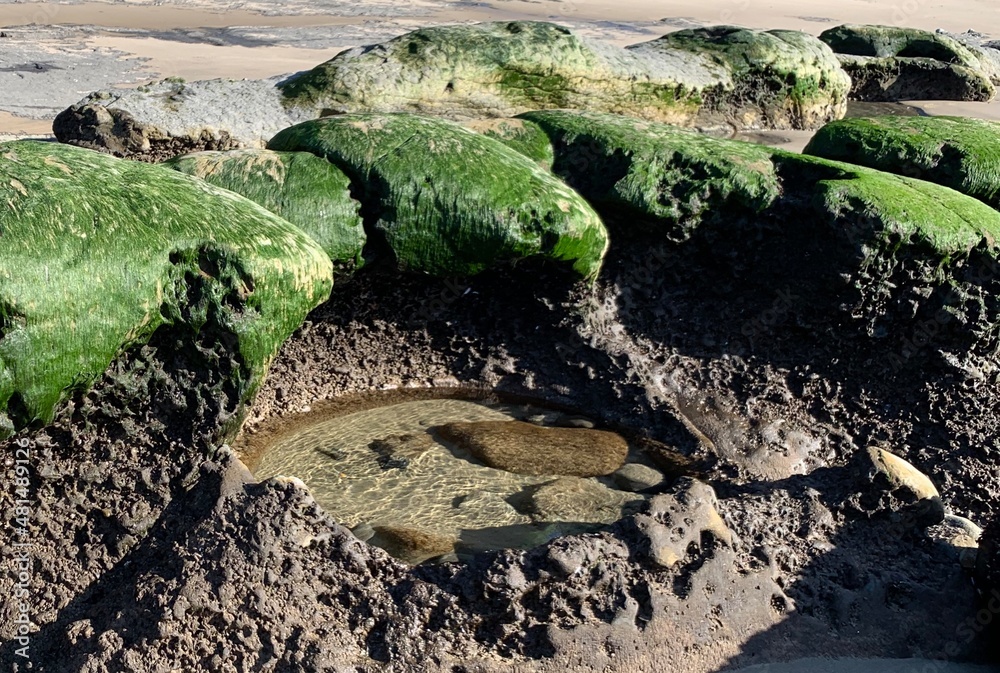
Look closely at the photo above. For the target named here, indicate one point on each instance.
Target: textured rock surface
(448, 201)
(302, 188)
(525, 448)
(172, 117)
(84, 275)
(581, 500)
(711, 77)
(956, 152)
(913, 491)
(988, 560)
(892, 63)
(895, 78)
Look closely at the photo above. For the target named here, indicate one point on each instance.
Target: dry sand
(151, 31)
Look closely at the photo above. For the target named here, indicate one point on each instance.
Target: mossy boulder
(304, 189)
(892, 63)
(448, 201)
(773, 79)
(723, 76)
(956, 152)
(98, 253)
(657, 175)
(524, 136)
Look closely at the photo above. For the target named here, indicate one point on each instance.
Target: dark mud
(155, 550)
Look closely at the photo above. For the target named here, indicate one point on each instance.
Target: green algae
(956, 152)
(448, 201)
(99, 252)
(302, 188)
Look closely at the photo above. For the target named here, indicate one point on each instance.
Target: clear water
(384, 467)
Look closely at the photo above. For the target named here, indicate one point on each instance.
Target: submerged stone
(572, 499)
(956, 152)
(715, 76)
(98, 253)
(411, 545)
(448, 201)
(524, 448)
(304, 189)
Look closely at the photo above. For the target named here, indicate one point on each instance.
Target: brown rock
(411, 545)
(580, 500)
(524, 448)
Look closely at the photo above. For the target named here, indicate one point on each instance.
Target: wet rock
(524, 448)
(720, 76)
(574, 422)
(93, 278)
(673, 522)
(572, 499)
(637, 477)
(363, 531)
(911, 491)
(448, 201)
(396, 452)
(952, 151)
(304, 189)
(411, 545)
(894, 63)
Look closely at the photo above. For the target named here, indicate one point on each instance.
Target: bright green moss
(99, 252)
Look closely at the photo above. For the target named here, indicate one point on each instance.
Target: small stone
(637, 477)
(523, 448)
(575, 422)
(579, 500)
(411, 545)
(919, 498)
(363, 531)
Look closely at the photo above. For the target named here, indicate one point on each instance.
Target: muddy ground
(155, 550)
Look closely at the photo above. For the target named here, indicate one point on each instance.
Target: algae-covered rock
(722, 76)
(520, 134)
(524, 448)
(306, 190)
(645, 172)
(448, 201)
(892, 79)
(98, 252)
(960, 153)
(894, 63)
(773, 79)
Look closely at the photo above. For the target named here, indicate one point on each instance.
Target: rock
(448, 201)
(304, 189)
(172, 117)
(363, 531)
(963, 535)
(916, 494)
(637, 477)
(952, 151)
(894, 63)
(411, 545)
(94, 278)
(673, 522)
(523, 136)
(719, 76)
(775, 79)
(988, 561)
(524, 448)
(894, 79)
(656, 174)
(574, 422)
(575, 500)
(397, 451)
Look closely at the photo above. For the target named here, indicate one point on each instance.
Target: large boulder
(98, 253)
(645, 173)
(448, 201)
(306, 190)
(720, 76)
(957, 152)
(172, 117)
(889, 63)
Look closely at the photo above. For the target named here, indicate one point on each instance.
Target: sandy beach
(64, 51)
